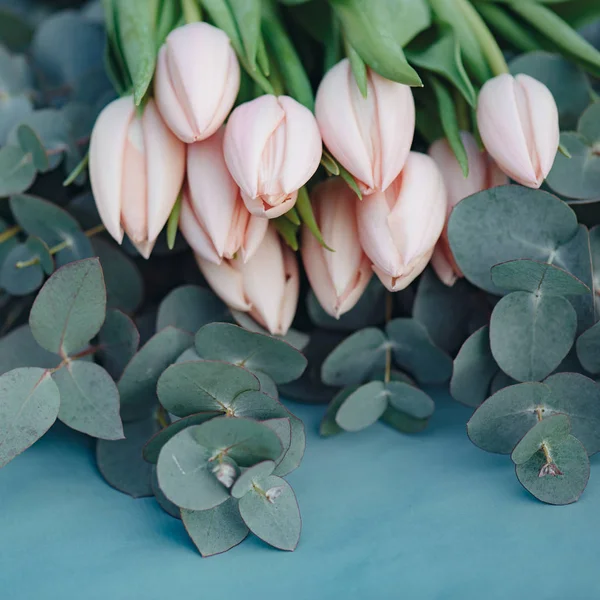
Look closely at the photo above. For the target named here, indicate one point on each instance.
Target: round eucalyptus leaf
(31, 143)
(243, 440)
(153, 445)
(53, 225)
(402, 421)
(124, 283)
(500, 381)
(137, 386)
(7, 245)
(216, 530)
(185, 473)
(163, 501)
(17, 172)
(532, 276)
(474, 369)
(568, 84)
(190, 307)
(267, 385)
(253, 476)
(191, 387)
(504, 418)
(414, 350)
(579, 397)
(29, 403)
(282, 427)
(89, 400)
(118, 341)
(253, 351)
(40, 249)
(550, 431)
(565, 483)
(530, 334)
(363, 407)
(504, 224)
(189, 355)
(329, 425)
(19, 349)
(17, 280)
(295, 338)
(120, 461)
(70, 308)
(444, 311)
(588, 349)
(410, 400)
(354, 360)
(276, 521)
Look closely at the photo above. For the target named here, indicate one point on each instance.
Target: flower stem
(191, 11)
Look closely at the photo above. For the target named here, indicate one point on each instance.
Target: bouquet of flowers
(348, 199)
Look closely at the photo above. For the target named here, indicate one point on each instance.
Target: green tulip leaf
(89, 400)
(530, 334)
(503, 224)
(189, 307)
(120, 461)
(565, 481)
(253, 351)
(191, 387)
(414, 351)
(137, 386)
(118, 341)
(70, 308)
(272, 514)
(216, 530)
(29, 403)
(253, 476)
(549, 431)
(474, 369)
(532, 276)
(355, 358)
(363, 407)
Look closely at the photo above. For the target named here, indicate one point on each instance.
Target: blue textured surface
(384, 516)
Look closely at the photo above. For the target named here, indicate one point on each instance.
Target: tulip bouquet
(341, 200)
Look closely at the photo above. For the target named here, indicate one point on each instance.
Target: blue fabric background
(428, 516)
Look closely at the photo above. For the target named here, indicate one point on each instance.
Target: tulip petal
(195, 234)
(413, 270)
(165, 168)
(227, 282)
(291, 290)
(443, 269)
(257, 207)
(253, 237)
(107, 148)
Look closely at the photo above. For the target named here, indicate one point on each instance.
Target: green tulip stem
(191, 11)
(488, 44)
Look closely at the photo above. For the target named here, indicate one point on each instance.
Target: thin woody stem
(545, 450)
(9, 233)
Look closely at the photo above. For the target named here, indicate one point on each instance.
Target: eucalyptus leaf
(89, 400)
(163, 501)
(297, 339)
(118, 341)
(253, 476)
(17, 172)
(282, 427)
(588, 349)
(190, 307)
(355, 358)
(29, 403)
(277, 522)
(530, 334)
(120, 461)
(216, 530)
(70, 309)
(503, 224)
(402, 421)
(137, 385)
(253, 351)
(363, 407)
(410, 400)
(549, 431)
(191, 387)
(571, 459)
(18, 348)
(413, 350)
(474, 369)
(31, 143)
(17, 280)
(329, 426)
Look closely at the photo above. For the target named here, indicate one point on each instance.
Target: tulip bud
(399, 228)
(518, 122)
(136, 170)
(266, 286)
(370, 136)
(337, 278)
(483, 174)
(197, 80)
(272, 148)
(214, 220)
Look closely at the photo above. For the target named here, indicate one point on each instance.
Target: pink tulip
(197, 80)
(399, 228)
(136, 170)
(266, 286)
(370, 136)
(518, 122)
(214, 220)
(337, 278)
(272, 148)
(483, 174)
